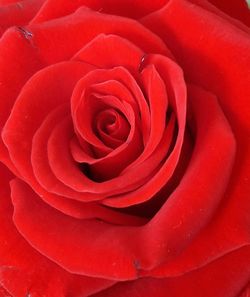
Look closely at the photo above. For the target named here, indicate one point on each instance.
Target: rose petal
(86, 107)
(172, 77)
(112, 127)
(158, 102)
(40, 167)
(50, 183)
(39, 158)
(107, 51)
(18, 13)
(245, 292)
(123, 155)
(33, 104)
(100, 52)
(70, 174)
(27, 126)
(13, 78)
(200, 56)
(23, 270)
(130, 8)
(87, 102)
(7, 2)
(48, 36)
(86, 246)
(224, 277)
(123, 83)
(191, 199)
(67, 171)
(235, 8)
(201, 189)
(227, 86)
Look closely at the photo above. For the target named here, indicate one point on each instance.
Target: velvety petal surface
(227, 59)
(17, 13)
(235, 8)
(13, 78)
(129, 8)
(225, 277)
(23, 270)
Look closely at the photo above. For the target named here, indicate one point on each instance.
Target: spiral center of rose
(111, 127)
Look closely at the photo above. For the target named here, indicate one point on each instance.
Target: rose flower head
(124, 148)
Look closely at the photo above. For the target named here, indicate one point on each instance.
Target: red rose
(124, 148)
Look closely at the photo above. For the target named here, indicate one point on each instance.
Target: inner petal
(112, 127)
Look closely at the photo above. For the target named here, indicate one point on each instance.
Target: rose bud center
(111, 127)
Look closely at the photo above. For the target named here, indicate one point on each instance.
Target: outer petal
(12, 79)
(86, 247)
(23, 270)
(36, 100)
(245, 292)
(48, 35)
(136, 9)
(225, 277)
(236, 8)
(227, 58)
(222, 67)
(17, 13)
(129, 8)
